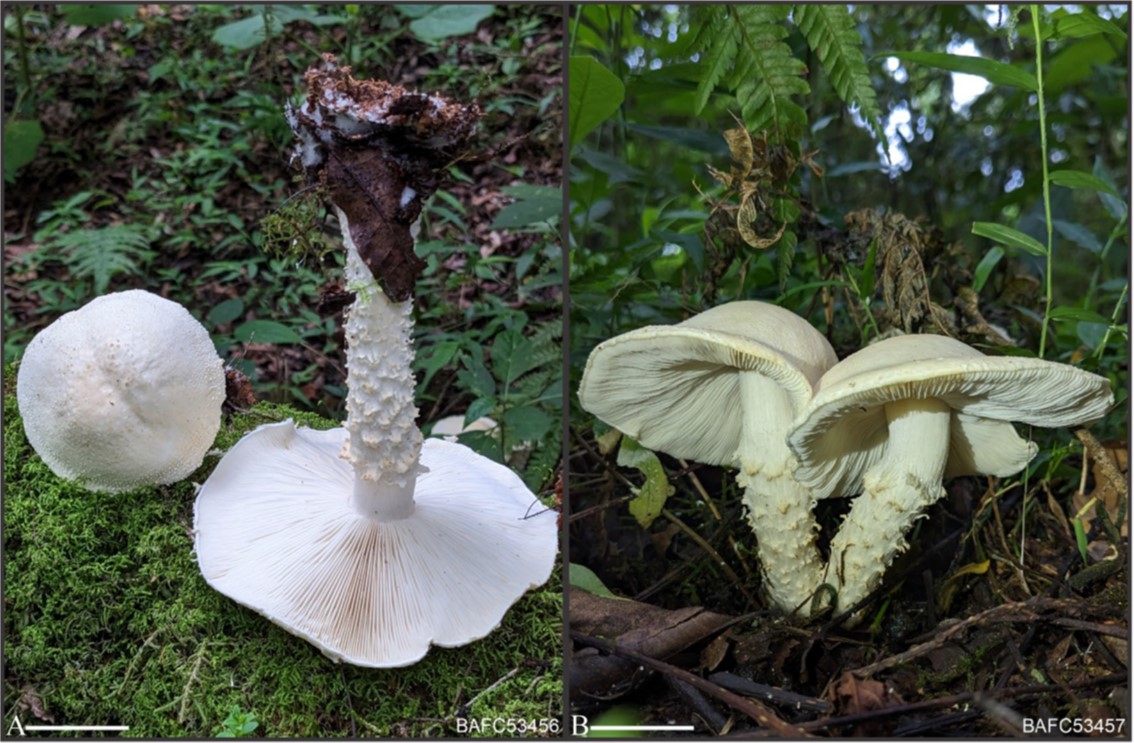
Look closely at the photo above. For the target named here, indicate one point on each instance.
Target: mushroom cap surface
(675, 388)
(843, 430)
(276, 532)
(124, 392)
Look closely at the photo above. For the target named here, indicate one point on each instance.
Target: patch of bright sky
(966, 88)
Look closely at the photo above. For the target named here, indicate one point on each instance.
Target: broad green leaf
(1077, 62)
(583, 578)
(695, 139)
(985, 267)
(97, 14)
(475, 377)
(436, 356)
(245, 33)
(995, 72)
(1077, 314)
(617, 169)
(479, 408)
(541, 206)
(1115, 205)
(21, 140)
(1077, 234)
(443, 21)
(265, 331)
(527, 423)
(1085, 23)
(511, 356)
(1081, 180)
(225, 312)
(1010, 237)
(414, 11)
(595, 94)
(650, 499)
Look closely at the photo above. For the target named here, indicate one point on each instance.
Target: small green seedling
(238, 724)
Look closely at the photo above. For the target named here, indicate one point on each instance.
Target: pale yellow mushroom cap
(676, 388)
(843, 430)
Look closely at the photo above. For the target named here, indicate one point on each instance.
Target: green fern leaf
(104, 253)
(831, 34)
(743, 47)
(717, 42)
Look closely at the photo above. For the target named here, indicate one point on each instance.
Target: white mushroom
(278, 531)
(722, 388)
(452, 426)
(362, 540)
(122, 393)
(895, 418)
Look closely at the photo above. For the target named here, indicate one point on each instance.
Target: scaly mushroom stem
(384, 443)
(779, 507)
(896, 491)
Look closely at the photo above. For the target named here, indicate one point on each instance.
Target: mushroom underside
(276, 532)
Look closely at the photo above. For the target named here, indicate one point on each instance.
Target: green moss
(108, 621)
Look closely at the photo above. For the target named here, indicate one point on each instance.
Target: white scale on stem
(385, 443)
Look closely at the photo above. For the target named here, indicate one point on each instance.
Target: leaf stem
(1048, 291)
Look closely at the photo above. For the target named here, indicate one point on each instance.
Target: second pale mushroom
(897, 417)
(722, 388)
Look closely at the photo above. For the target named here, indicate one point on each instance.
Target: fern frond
(103, 253)
(831, 34)
(747, 42)
(716, 41)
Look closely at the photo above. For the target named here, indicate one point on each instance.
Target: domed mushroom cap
(276, 532)
(843, 430)
(675, 388)
(121, 393)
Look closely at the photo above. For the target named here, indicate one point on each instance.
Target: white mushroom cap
(452, 426)
(675, 388)
(277, 532)
(843, 431)
(121, 393)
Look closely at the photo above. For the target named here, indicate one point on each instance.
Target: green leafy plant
(238, 723)
(744, 50)
(102, 253)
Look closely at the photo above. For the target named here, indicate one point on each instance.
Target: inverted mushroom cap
(123, 392)
(843, 430)
(276, 531)
(675, 388)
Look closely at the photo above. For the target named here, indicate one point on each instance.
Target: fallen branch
(1017, 611)
(757, 711)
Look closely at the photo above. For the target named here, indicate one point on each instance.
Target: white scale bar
(92, 728)
(644, 728)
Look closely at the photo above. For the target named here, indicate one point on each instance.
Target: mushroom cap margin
(674, 388)
(843, 431)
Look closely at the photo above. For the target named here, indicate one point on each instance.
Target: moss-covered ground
(107, 620)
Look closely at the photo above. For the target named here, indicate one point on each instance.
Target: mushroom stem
(384, 444)
(779, 508)
(896, 491)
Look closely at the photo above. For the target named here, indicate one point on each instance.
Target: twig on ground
(757, 711)
(1017, 611)
(962, 698)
